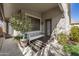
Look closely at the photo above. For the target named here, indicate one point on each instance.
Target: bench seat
(33, 35)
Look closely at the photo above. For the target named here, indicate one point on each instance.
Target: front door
(48, 27)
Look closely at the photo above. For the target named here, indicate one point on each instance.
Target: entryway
(48, 27)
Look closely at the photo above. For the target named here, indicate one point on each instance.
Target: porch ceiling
(39, 7)
(9, 8)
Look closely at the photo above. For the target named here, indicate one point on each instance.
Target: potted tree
(21, 23)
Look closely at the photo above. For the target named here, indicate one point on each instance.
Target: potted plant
(24, 41)
(21, 23)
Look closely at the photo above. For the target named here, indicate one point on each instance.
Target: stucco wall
(51, 13)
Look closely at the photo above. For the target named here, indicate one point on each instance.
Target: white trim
(28, 14)
(33, 38)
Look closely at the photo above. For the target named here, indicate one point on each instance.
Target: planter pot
(24, 43)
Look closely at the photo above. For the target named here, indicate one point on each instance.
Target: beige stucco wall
(51, 13)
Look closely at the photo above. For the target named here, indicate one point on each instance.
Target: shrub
(62, 38)
(72, 49)
(75, 33)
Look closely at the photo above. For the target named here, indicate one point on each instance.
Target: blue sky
(74, 10)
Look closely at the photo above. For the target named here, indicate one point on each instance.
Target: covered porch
(45, 19)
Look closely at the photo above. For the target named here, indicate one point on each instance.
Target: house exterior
(49, 17)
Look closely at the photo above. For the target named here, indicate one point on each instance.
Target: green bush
(74, 34)
(72, 49)
(62, 38)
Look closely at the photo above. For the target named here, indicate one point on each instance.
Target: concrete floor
(10, 48)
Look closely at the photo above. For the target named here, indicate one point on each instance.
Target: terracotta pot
(24, 43)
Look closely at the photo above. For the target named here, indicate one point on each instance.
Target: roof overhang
(10, 8)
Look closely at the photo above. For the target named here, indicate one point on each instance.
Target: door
(48, 27)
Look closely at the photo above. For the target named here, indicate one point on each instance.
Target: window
(35, 23)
